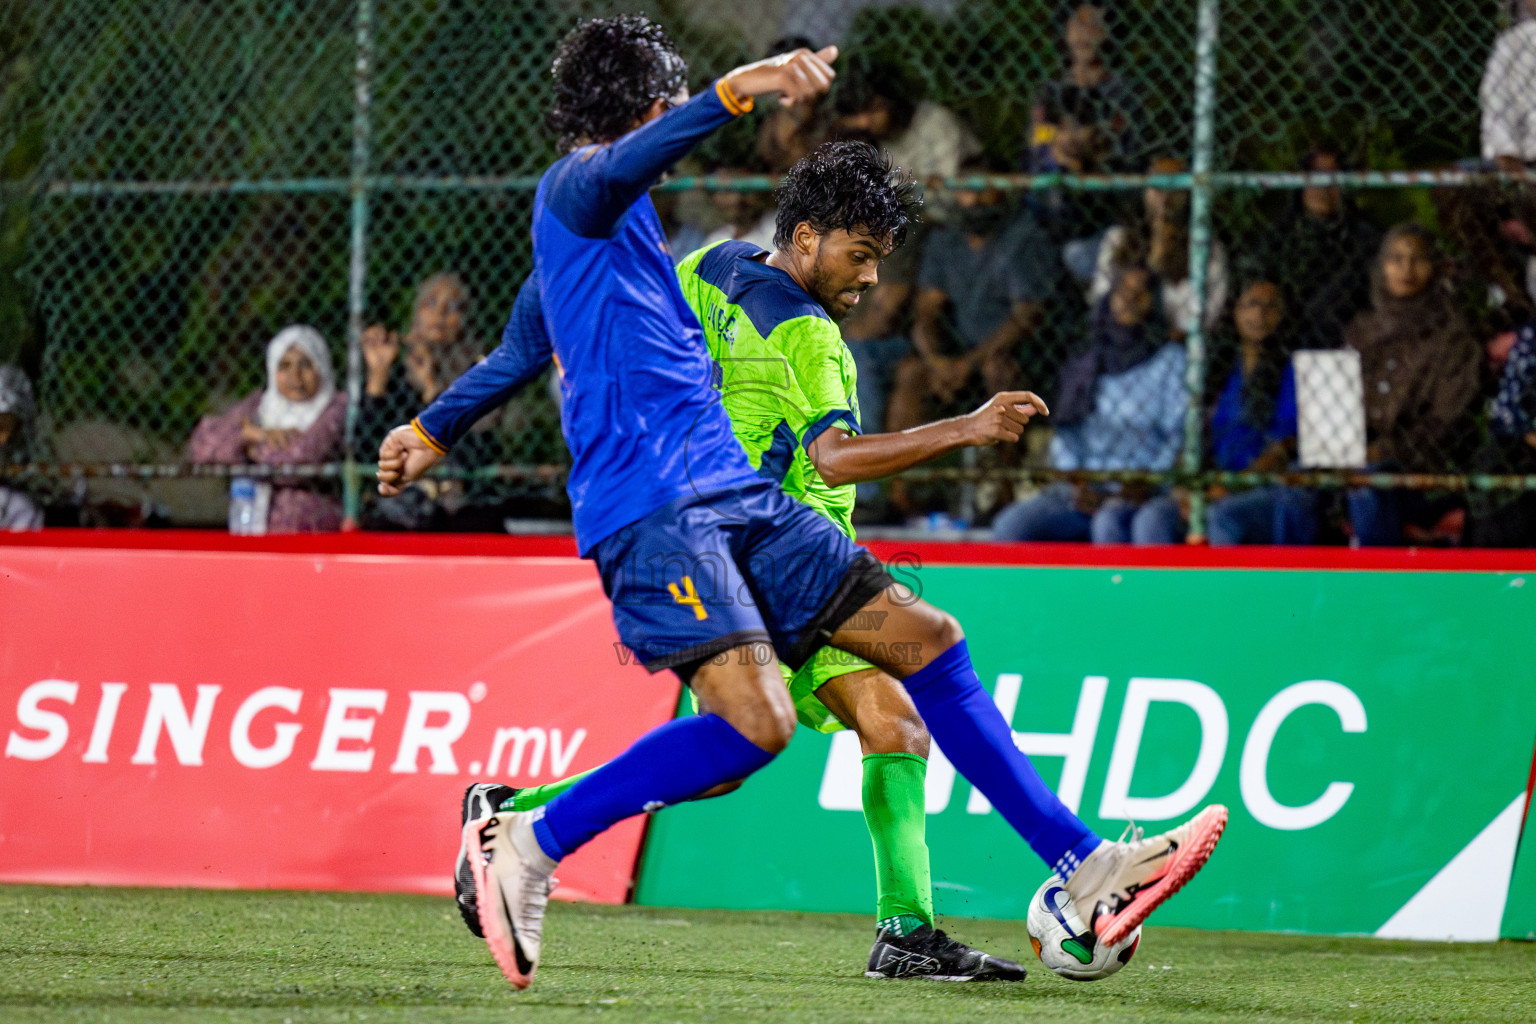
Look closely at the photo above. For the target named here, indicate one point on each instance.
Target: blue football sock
(979, 743)
(671, 763)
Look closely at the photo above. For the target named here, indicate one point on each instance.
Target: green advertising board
(1371, 732)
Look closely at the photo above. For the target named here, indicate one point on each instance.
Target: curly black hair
(607, 71)
(846, 185)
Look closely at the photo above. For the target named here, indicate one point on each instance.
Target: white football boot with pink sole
(1119, 884)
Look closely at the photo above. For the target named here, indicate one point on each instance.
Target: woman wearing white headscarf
(298, 417)
(17, 511)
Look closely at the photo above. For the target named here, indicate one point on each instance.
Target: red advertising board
(296, 720)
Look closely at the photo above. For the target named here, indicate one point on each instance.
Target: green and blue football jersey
(785, 374)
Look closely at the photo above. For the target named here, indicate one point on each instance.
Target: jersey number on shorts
(689, 597)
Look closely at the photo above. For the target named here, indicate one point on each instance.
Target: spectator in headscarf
(1120, 406)
(1421, 370)
(17, 412)
(297, 418)
(1508, 94)
(1158, 236)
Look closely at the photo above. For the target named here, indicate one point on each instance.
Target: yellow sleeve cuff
(432, 442)
(737, 105)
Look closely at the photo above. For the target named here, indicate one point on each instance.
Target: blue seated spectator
(1253, 423)
(1507, 519)
(1120, 406)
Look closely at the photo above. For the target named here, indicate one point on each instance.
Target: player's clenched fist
(798, 76)
(403, 457)
(1004, 417)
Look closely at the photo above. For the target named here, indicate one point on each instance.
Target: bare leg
(877, 707)
(924, 647)
(898, 632)
(751, 696)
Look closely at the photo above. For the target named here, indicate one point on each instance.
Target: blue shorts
(703, 574)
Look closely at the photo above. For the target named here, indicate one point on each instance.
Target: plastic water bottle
(249, 501)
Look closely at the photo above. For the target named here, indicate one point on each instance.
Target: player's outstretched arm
(798, 76)
(410, 450)
(844, 458)
(591, 194)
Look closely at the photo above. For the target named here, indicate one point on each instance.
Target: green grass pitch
(139, 955)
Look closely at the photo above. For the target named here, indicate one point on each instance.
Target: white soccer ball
(1064, 942)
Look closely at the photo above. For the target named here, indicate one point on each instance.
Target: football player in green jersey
(788, 383)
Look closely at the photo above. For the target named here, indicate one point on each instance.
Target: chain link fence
(1140, 208)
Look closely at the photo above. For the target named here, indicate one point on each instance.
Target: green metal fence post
(1200, 252)
(357, 275)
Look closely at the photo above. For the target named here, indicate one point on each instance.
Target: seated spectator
(1075, 220)
(1319, 251)
(1493, 229)
(437, 348)
(1508, 94)
(1120, 405)
(17, 511)
(982, 291)
(1158, 236)
(882, 101)
(1252, 424)
(298, 418)
(748, 216)
(789, 133)
(403, 377)
(1086, 46)
(1507, 519)
(1420, 366)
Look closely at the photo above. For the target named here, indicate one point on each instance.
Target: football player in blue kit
(712, 570)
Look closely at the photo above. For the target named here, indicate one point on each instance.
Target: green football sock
(897, 821)
(538, 796)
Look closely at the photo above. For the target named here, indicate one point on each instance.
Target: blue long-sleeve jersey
(641, 419)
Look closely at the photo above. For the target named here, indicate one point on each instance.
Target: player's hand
(1004, 417)
(799, 76)
(403, 457)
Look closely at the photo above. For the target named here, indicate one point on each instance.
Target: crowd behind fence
(1273, 265)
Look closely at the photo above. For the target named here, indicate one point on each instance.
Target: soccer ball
(1064, 942)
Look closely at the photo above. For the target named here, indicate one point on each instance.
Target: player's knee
(944, 631)
(899, 732)
(775, 730)
(771, 719)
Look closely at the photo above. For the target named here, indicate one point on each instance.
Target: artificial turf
(71, 954)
